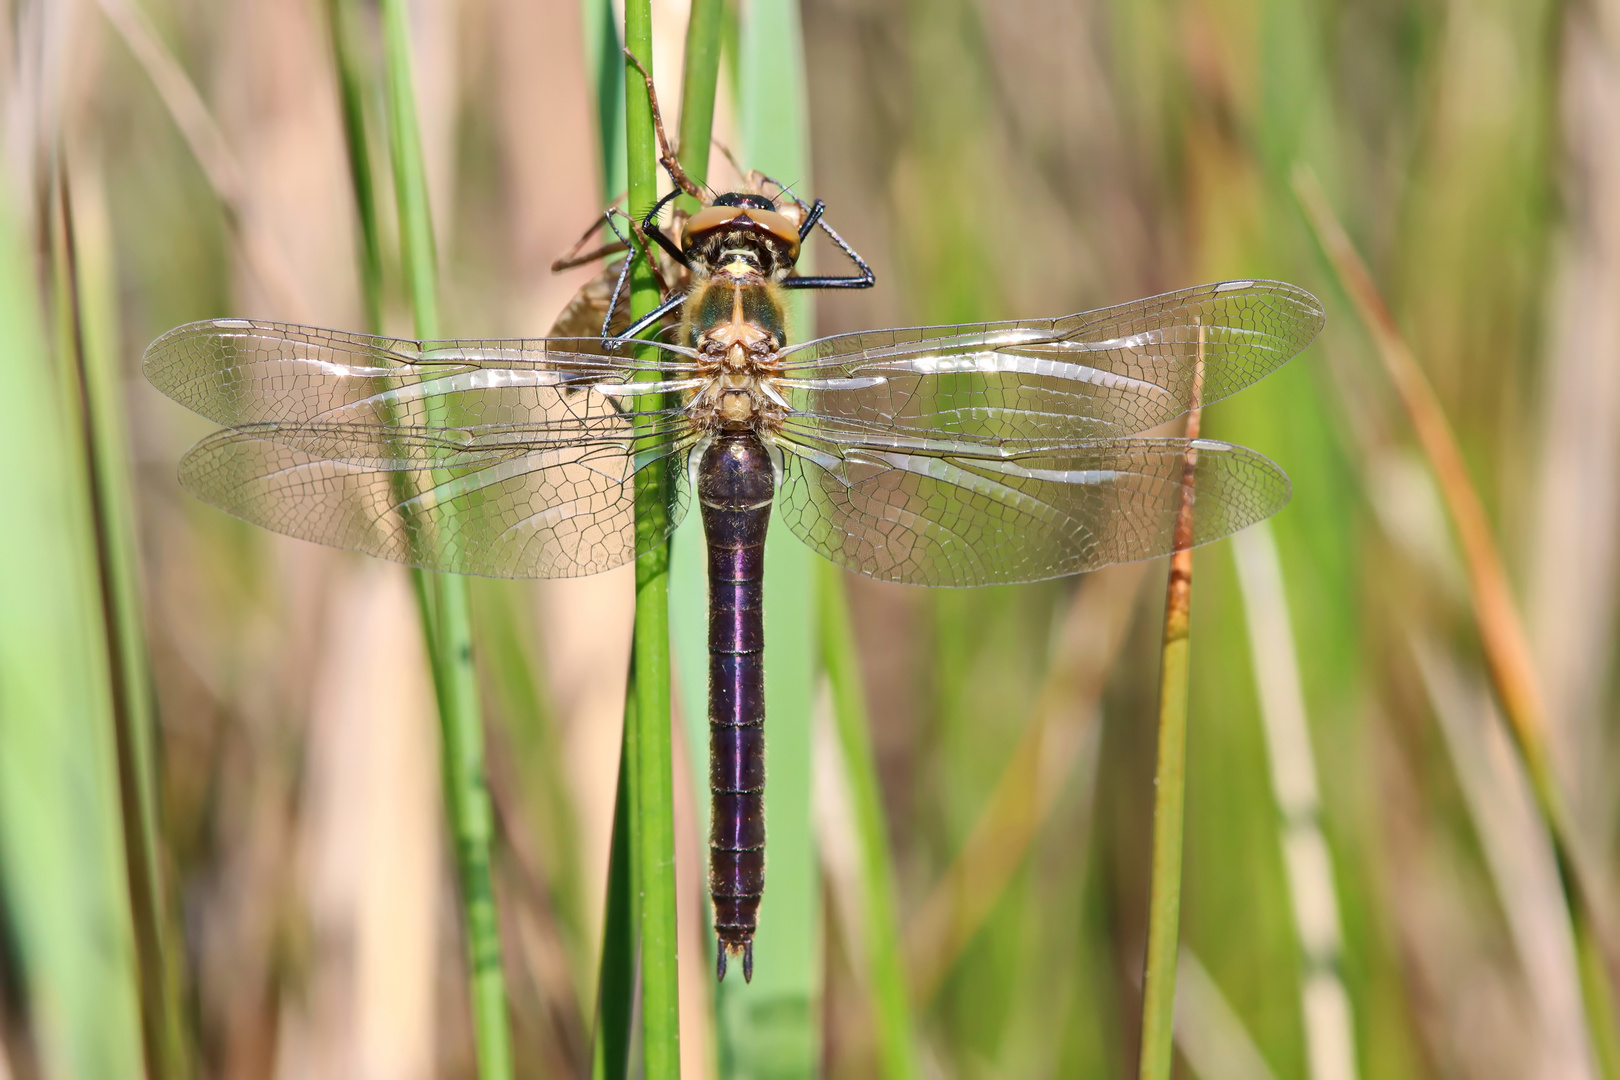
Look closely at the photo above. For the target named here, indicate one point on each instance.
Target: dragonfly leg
(613, 302)
(665, 291)
(650, 227)
(864, 280)
(813, 217)
(568, 262)
(668, 160)
(640, 234)
(650, 318)
(572, 257)
(747, 177)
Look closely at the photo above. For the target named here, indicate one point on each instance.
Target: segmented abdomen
(735, 486)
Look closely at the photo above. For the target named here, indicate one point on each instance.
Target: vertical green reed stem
(616, 973)
(351, 101)
(617, 981)
(699, 79)
(64, 884)
(647, 732)
(446, 614)
(1170, 779)
(1596, 993)
(1169, 797)
(85, 270)
(886, 968)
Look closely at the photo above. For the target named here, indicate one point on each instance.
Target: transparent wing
(972, 516)
(241, 372)
(1101, 374)
(414, 497)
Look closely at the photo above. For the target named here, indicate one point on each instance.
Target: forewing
(1100, 374)
(978, 518)
(544, 511)
(241, 372)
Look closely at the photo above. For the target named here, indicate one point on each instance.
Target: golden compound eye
(713, 219)
(706, 221)
(711, 216)
(778, 226)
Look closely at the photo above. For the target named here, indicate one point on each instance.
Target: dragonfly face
(745, 226)
(946, 455)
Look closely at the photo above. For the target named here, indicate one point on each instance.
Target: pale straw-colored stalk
(1330, 1035)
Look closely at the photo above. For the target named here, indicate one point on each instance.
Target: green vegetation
(1397, 833)
(442, 598)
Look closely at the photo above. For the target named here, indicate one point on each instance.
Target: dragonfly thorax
(737, 327)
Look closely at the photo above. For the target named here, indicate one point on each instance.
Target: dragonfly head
(746, 225)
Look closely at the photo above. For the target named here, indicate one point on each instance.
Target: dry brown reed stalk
(259, 249)
(1496, 614)
(1041, 764)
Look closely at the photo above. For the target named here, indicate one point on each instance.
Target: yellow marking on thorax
(737, 338)
(736, 355)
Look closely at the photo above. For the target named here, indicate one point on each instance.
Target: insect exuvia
(947, 456)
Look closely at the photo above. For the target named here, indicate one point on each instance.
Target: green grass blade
(688, 587)
(604, 62)
(1170, 789)
(65, 890)
(896, 1050)
(699, 80)
(86, 249)
(537, 758)
(647, 729)
(351, 99)
(1164, 902)
(447, 622)
(616, 981)
(418, 250)
(616, 972)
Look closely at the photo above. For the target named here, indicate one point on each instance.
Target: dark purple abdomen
(735, 487)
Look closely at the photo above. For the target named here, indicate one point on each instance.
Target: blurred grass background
(1368, 891)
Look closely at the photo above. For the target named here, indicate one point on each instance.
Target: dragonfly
(955, 456)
